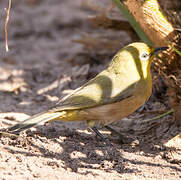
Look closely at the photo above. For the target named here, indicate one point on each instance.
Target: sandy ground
(43, 65)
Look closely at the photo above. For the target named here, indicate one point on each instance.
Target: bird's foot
(101, 136)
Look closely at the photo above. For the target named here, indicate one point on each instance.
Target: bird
(116, 92)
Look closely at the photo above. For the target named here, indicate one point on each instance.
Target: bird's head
(141, 55)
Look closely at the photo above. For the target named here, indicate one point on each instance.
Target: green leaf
(177, 51)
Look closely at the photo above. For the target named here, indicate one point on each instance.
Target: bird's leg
(101, 136)
(122, 137)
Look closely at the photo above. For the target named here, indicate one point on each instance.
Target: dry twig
(6, 24)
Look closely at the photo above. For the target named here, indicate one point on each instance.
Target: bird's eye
(144, 56)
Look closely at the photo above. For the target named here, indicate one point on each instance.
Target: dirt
(43, 65)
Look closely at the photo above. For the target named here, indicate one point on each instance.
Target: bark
(152, 21)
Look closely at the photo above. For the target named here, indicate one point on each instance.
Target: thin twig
(158, 117)
(7, 134)
(6, 24)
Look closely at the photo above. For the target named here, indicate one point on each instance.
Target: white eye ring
(144, 56)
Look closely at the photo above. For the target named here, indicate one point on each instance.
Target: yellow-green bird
(113, 94)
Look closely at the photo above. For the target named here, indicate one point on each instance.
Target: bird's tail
(34, 121)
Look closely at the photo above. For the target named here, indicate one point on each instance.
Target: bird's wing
(103, 89)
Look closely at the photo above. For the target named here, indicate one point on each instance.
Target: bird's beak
(156, 50)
